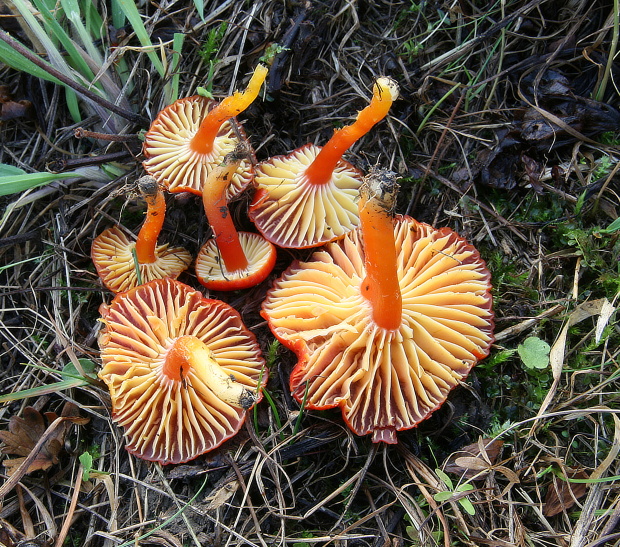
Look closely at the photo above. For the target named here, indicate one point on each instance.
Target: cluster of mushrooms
(386, 317)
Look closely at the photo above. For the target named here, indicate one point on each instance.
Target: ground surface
(506, 132)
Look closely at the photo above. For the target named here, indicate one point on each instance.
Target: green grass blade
(42, 390)
(133, 16)
(55, 57)
(54, 27)
(177, 47)
(13, 59)
(73, 13)
(11, 184)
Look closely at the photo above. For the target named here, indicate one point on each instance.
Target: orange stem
(384, 92)
(218, 215)
(381, 285)
(155, 214)
(202, 141)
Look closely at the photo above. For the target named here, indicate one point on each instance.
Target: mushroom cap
(291, 212)
(171, 160)
(211, 271)
(111, 252)
(174, 420)
(384, 380)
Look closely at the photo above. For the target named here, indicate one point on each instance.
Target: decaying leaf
(561, 495)
(24, 433)
(222, 494)
(473, 458)
(10, 109)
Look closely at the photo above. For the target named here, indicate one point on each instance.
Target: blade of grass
(130, 10)
(177, 48)
(73, 13)
(71, 379)
(11, 184)
(67, 81)
(54, 27)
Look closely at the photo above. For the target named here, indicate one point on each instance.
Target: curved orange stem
(218, 215)
(384, 93)
(202, 141)
(155, 214)
(381, 286)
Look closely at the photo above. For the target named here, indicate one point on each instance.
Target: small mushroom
(230, 260)
(191, 136)
(182, 370)
(113, 251)
(308, 197)
(385, 321)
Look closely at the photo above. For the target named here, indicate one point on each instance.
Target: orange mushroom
(385, 321)
(308, 197)
(112, 250)
(231, 260)
(182, 370)
(191, 136)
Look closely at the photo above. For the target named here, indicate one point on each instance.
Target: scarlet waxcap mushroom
(383, 327)
(191, 136)
(182, 370)
(308, 197)
(123, 262)
(230, 260)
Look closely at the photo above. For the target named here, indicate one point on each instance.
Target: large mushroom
(230, 260)
(182, 370)
(123, 262)
(191, 136)
(386, 321)
(308, 197)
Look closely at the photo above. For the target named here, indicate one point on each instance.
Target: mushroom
(191, 136)
(182, 370)
(385, 321)
(112, 250)
(308, 197)
(230, 260)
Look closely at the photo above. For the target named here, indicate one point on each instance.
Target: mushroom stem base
(189, 356)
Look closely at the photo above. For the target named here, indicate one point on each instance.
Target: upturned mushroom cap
(307, 198)
(182, 370)
(384, 380)
(292, 212)
(171, 160)
(112, 254)
(212, 273)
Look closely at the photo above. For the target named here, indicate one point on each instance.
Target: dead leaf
(222, 495)
(15, 109)
(474, 458)
(561, 495)
(24, 433)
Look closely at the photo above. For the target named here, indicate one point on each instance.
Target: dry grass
(480, 84)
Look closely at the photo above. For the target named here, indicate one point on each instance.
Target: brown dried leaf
(561, 495)
(474, 458)
(15, 109)
(25, 432)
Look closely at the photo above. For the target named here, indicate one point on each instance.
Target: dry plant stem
(380, 286)
(155, 214)
(81, 133)
(69, 517)
(69, 82)
(385, 92)
(202, 142)
(218, 215)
